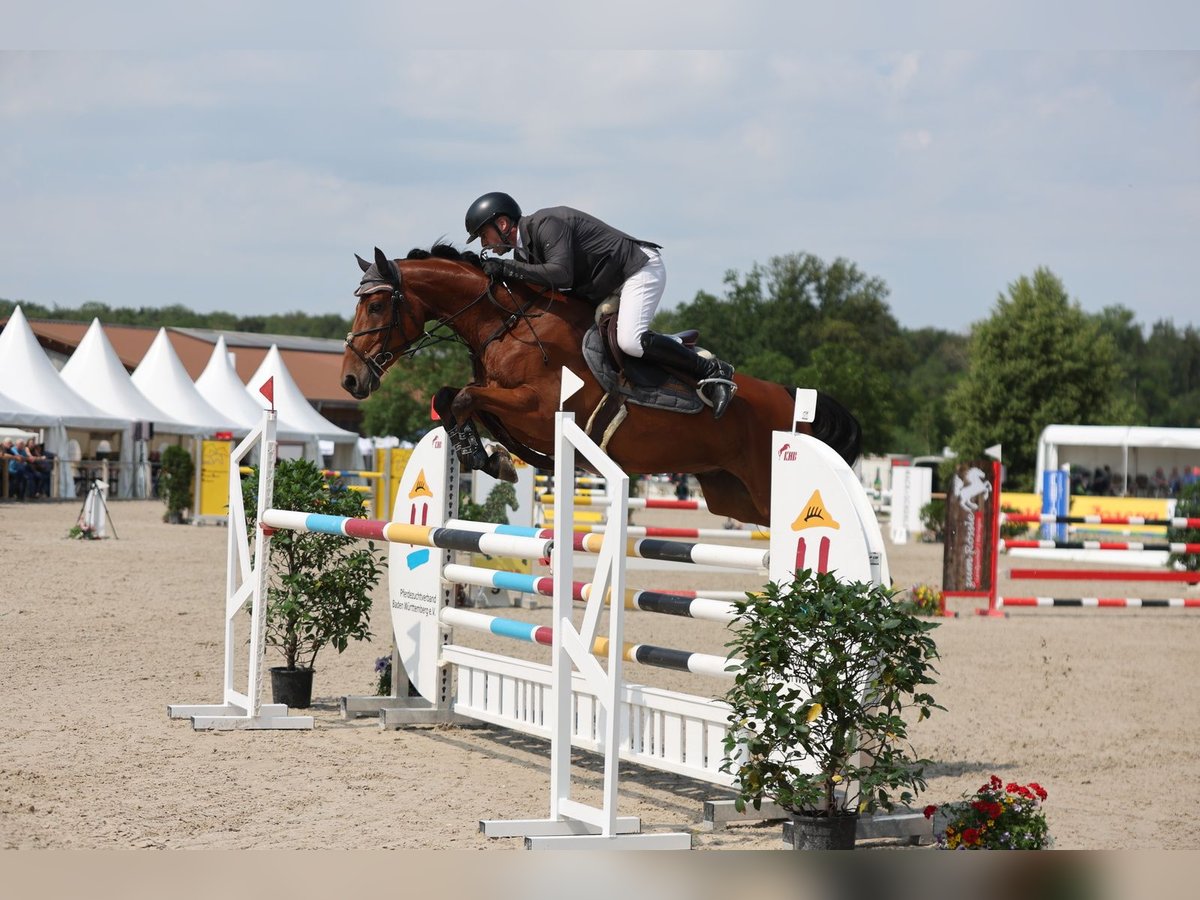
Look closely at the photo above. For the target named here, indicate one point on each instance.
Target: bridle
(377, 363)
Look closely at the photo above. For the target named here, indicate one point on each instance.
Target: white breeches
(640, 295)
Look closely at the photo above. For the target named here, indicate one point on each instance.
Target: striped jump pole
(640, 502)
(744, 558)
(706, 608)
(491, 543)
(1173, 546)
(1050, 519)
(733, 534)
(1099, 602)
(1100, 575)
(643, 654)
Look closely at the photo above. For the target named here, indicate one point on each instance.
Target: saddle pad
(673, 394)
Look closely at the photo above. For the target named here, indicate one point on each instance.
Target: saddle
(636, 380)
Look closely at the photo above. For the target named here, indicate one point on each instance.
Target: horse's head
(385, 323)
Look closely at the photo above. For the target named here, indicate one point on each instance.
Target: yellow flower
(813, 712)
(836, 779)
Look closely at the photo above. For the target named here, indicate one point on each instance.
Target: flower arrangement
(82, 532)
(996, 817)
(383, 676)
(924, 600)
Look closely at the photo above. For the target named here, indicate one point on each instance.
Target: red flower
(1013, 788)
(1038, 789)
(929, 811)
(970, 836)
(995, 781)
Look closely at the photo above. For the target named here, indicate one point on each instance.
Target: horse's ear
(387, 268)
(362, 263)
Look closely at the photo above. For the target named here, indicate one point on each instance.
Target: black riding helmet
(488, 207)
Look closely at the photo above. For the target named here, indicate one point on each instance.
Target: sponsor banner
(970, 528)
(1056, 496)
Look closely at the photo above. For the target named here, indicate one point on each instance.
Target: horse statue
(519, 337)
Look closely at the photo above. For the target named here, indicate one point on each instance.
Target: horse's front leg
(457, 416)
(464, 436)
(504, 403)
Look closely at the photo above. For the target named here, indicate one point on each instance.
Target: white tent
(14, 412)
(96, 373)
(161, 377)
(29, 375)
(296, 414)
(220, 386)
(1129, 450)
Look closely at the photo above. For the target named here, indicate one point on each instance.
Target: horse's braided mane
(446, 251)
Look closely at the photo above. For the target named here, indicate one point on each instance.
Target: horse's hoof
(500, 466)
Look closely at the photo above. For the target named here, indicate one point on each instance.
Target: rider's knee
(631, 343)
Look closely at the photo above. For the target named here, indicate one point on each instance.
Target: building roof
(315, 363)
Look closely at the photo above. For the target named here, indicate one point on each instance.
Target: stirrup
(703, 382)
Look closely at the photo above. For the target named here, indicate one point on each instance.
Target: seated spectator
(1174, 482)
(41, 466)
(1160, 482)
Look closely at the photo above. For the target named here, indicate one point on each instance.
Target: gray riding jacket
(570, 251)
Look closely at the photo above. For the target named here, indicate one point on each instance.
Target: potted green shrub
(831, 669)
(176, 483)
(318, 585)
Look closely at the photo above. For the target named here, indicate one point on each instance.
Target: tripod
(97, 487)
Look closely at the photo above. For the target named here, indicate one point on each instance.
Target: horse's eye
(375, 307)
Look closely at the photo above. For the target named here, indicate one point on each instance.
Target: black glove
(494, 268)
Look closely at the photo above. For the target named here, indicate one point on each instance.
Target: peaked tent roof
(163, 379)
(30, 375)
(96, 373)
(220, 386)
(295, 412)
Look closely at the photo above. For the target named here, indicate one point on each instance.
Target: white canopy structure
(161, 377)
(14, 412)
(220, 386)
(296, 414)
(30, 376)
(97, 374)
(1129, 450)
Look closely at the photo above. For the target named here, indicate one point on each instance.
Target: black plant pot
(822, 832)
(292, 687)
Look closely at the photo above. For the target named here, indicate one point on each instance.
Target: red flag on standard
(268, 390)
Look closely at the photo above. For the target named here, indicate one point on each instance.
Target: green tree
(799, 320)
(1038, 360)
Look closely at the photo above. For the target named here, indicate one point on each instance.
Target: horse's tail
(836, 426)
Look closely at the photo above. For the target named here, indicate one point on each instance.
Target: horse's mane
(446, 251)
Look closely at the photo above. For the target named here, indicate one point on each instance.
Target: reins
(377, 363)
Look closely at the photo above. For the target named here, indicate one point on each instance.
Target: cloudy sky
(236, 159)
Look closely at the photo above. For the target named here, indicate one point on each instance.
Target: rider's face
(492, 238)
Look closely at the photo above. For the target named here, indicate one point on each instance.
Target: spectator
(17, 460)
(1174, 482)
(682, 489)
(41, 465)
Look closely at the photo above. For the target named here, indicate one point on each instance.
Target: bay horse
(519, 337)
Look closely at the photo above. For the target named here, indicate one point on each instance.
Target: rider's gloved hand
(494, 268)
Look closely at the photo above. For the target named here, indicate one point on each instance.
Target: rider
(568, 250)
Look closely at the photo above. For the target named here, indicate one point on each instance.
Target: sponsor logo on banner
(970, 537)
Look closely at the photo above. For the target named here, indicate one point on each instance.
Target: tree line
(1034, 359)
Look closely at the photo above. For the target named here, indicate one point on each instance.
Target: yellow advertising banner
(1084, 505)
(397, 459)
(214, 479)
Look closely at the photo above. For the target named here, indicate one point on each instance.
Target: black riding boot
(713, 374)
